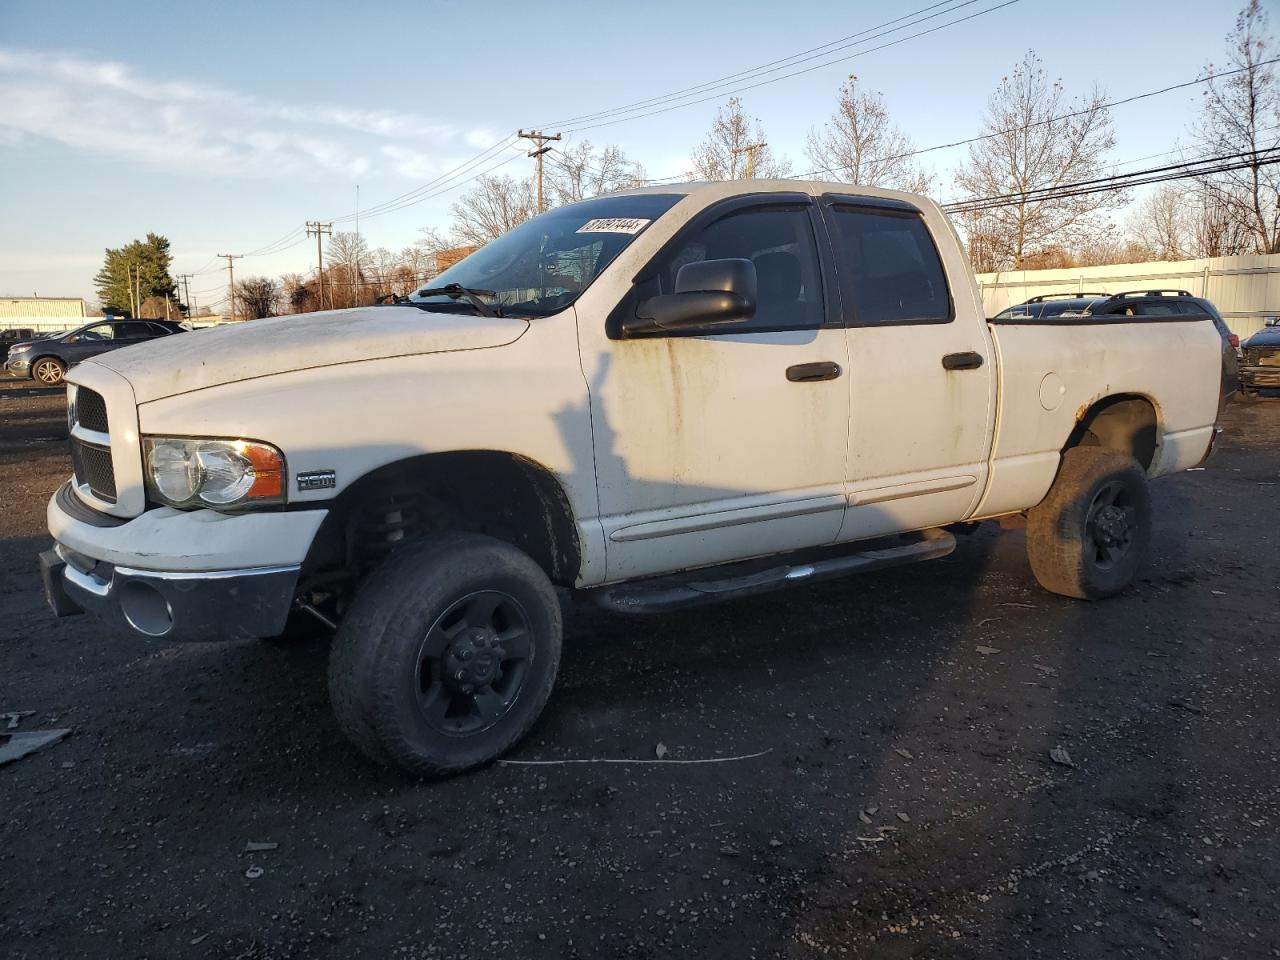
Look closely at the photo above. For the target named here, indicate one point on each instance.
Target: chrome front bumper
(171, 605)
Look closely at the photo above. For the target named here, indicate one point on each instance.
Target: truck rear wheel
(447, 655)
(1090, 535)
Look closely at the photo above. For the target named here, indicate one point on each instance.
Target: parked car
(46, 360)
(652, 399)
(1261, 367)
(15, 335)
(1051, 305)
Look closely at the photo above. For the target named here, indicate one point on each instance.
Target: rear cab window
(889, 267)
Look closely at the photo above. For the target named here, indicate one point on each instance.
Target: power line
(779, 64)
(1179, 171)
(1064, 116)
(723, 93)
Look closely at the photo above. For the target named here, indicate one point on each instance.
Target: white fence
(1246, 290)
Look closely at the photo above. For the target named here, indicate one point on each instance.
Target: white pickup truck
(654, 398)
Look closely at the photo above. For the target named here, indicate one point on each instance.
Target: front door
(711, 445)
(922, 369)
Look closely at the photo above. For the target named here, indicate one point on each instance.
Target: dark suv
(46, 360)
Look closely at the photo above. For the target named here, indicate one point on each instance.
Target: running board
(693, 588)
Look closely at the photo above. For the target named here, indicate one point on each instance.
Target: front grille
(92, 466)
(91, 410)
(1257, 356)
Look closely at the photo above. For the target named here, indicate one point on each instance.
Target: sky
(224, 126)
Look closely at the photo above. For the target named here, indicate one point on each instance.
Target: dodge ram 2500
(654, 398)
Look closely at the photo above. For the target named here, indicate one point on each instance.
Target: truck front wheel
(447, 655)
(1090, 535)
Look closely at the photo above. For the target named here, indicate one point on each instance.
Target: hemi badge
(317, 480)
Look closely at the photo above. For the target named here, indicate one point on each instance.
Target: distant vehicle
(1052, 305)
(1261, 366)
(1136, 303)
(46, 360)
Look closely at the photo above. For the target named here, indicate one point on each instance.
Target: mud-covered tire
(424, 676)
(1088, 538)
(48, 371)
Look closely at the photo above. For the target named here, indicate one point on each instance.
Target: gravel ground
(907, 804)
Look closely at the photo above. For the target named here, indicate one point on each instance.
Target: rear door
(921, 368)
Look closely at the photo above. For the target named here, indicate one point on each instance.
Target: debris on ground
(862, 815)
(253, 873)
(904, 754)
(660, 751)
(254, 846)
(1059, 755)
(1181, 704)
(15, 746)
(14, 717)
(1047, 670)
(903, 817)
(987, 651)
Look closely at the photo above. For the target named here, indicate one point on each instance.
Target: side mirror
(1272, 322)
(707, 293)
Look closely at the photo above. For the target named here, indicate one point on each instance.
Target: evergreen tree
(151, 259)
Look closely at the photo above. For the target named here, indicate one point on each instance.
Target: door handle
(813, 372)
(969, 360)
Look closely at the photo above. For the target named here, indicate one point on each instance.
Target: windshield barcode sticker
(614, 225)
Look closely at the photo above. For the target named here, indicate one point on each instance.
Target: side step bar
(697, 587)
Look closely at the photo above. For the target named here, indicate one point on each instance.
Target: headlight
(213, 473)
(25, 348)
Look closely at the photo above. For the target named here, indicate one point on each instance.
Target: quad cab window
(890, 271)
(779, 241)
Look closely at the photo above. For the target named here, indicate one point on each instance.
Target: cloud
(111, 110)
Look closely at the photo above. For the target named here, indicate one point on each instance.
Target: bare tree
(299, 295)
(258, 297)
(735, 148)
(1218, 222)
(493, 206)
(1241, 114)
(1036, 139)
(1107, 248)
(861, 145)
(1159, 222)
(579, 172)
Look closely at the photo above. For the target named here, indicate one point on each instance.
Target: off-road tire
(375, 683)
(1061, 541)
(55, 368)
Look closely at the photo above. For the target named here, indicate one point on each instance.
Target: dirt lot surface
(907, 804)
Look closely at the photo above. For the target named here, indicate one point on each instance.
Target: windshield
(543, 265)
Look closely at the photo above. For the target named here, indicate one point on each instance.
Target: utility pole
(135, 291)
(185, 280)
(318, 228)
(750, 150)
(540, 140)
(231, 277)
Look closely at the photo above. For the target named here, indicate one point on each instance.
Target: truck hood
(183, 362)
